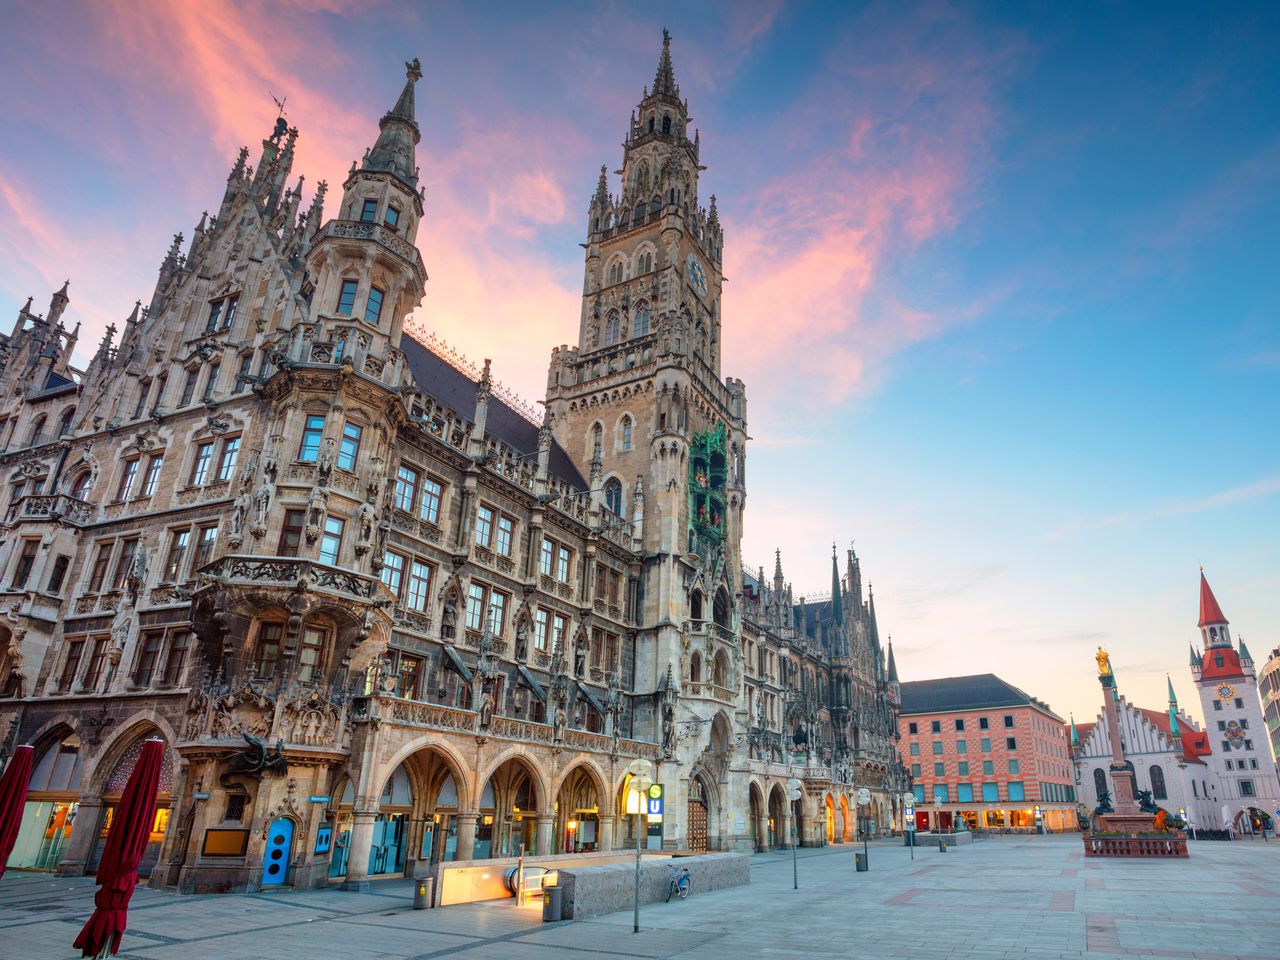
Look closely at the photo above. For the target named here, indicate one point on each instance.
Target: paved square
(998, 899)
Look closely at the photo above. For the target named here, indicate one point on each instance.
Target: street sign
(319, 798)
(655, 800)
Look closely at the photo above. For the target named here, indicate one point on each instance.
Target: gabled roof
(1195, 744)
(453, 388)
(965, 693)
(1210, 612)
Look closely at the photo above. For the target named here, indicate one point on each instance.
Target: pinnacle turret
(393, 152)
(664, 81)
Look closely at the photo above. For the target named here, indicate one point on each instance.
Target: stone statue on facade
(261, 507)
(137, 576)
(558, 721)
(325, 461)
(449, 618)
(580, 658)
(522, 638)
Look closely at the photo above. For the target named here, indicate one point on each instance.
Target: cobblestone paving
(1008, 898)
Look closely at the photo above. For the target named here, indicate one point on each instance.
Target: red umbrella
(13, 798)
(126, 843)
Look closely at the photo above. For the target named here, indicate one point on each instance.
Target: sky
(1002, 278)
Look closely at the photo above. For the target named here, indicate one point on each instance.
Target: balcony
(297, 572)
(56, 506)
(380, 234)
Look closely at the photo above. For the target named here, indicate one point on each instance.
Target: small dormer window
(369, 212)
(393, 218)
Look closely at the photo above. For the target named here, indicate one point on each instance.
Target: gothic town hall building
(379, 615)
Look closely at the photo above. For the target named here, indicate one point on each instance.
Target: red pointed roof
(1221, 663)
(1210, 612)
(1195, 743)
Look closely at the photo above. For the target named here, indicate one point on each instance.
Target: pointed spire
(1244, 651)
(601, 197)
(58, 302)
(394, 150)
(1195, 657)
(1173, 697)
(1075, 734)
(837, 600)
(713, 215)
(664, 81)
(874, 632)
(893, 666)
(777, 566)
(1210, 612)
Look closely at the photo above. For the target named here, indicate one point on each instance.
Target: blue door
(275, 860)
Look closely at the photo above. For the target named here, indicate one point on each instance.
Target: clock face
(696, 276)
(1226, 691)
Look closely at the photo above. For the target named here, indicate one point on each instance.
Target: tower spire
(1210, 612)
(837, 601)
(393, 152)
(664, 81)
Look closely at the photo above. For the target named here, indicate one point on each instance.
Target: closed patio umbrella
(13, 798)
(126, 843)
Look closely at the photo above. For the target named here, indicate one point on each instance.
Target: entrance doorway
(275, 859)
(697, 816)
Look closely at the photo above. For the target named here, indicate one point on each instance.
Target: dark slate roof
(453, 388)
(963, 693)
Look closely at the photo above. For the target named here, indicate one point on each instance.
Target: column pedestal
(83, 830)
(467, 835)
(546, 830)
(358, 852)
(606, 833)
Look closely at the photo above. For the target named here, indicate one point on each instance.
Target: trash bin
(422, 893)
(942, 845)
(552, 903)
(861, 860)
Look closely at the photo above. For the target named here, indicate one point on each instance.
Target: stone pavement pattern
(1004, 898)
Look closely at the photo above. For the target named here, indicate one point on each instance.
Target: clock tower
(641, 405)
(1228, 685)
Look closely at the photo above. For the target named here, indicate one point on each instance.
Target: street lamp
(864, 800)
(909, 815)
(937, 820)
(641, 771)
(793, 794)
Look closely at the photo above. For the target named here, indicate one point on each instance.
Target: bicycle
(679, 883)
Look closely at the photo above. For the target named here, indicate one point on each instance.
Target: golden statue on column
(1104, 662)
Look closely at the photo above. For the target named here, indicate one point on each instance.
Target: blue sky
(1001, 277)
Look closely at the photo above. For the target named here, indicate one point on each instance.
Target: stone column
(606, 832)
(467, 835)
(545, 834)
(83, 830)
(358, 851)
(762, 833)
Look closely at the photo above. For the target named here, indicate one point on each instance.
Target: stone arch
(829, 808)
(758, 813)
(846, 830)
(519, 755)
(124, 736)
(720, 669)
(457, 767)
(579, 826)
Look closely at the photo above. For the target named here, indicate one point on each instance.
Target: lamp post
(864, 800)
(793, 794)
(937, 820)
(909, 816)
(641, 771)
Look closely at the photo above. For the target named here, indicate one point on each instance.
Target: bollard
(942, 845)
(552, 903)
(860, 859)
(421, 898)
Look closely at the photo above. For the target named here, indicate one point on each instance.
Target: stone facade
(378, 612)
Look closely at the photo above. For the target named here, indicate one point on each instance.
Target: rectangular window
(990, 792)
(291, 533)
(919, 792)
(935, 726)
(347, 298)
(373, 306)
(349, 449)
(270, 638)
(393, 572)
(215, 315)
(564, 564)
(559, 627)
(962, 746)
(962, 768)
(205, 542)
(101, 562)
(941, 793)
(541, 627)
(331, 540)
(369, 211)
(988, 767)
(243, 373)
(227, 464)
(211, 384)
(200, 465)
(982, 723)
(484, 526)
(175, 658)
(546, 557)
(1008, 721)
(75, 650)
(58, 573)
(152, 476)
(497, 612)
(911, 728)
(229, 315)
(173, 563)
(506, 532)
(959, 725)
(188, 388)
(1011, 743)
(410, 671)
(964, 793)
(312, 435)
(986, 744)
(128, 475)
(475, 606)
(311, 653)
(1217, 704)
(939, 769)
(915, 749)
(392, 219)
(148, 653)
(124, 562)
(419, 586)
(937, 748)
(143, 389)
(915, 770)
(1014, 768)
(432, 492)
(97, 658)
(160, 388)
(1016, 791)
(406, 487)
(26, 560)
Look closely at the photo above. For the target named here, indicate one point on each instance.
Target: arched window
(695, 668)
(1158, 790)
(643, 179)
(37, 428)
(80, 488)
(695, 605)
(613, 495)
(720, 670)
(645, 263)
(597, 442)
(615, 272)
(612, 329)
(1099, 781)
(721, 607)
(626, 432)
(64, 425)
(639, 214)
(642, 320)
(666, 123)
(651, 124)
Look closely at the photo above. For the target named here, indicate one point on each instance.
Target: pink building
(980, 749)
